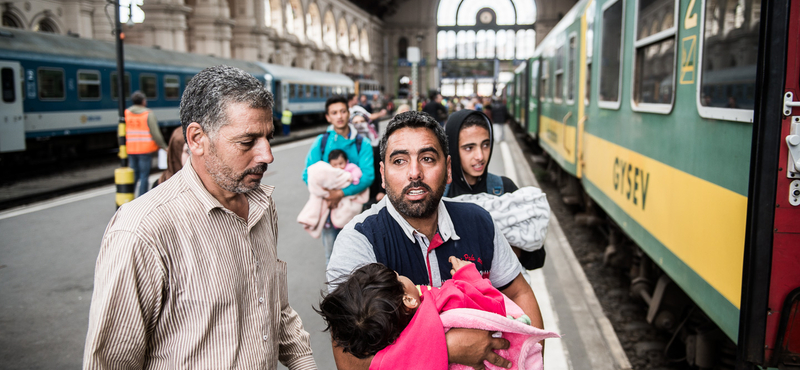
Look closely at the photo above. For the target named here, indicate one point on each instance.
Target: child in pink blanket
(376, 312)
(337, 173)
(338, 159)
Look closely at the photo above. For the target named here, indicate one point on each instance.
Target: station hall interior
(467, 47)
(662, 133)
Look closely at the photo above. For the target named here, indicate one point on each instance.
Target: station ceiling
(379, 8)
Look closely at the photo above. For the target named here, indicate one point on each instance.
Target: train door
(12, 122)
(284, 95)
(533, 99)
(769, 321)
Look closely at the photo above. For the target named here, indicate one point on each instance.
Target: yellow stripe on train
(702, 223)
(558, 137)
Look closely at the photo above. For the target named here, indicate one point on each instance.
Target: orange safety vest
(137, 133)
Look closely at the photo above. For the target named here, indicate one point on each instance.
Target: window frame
(99, 84)
(113, 80)
(155, 78)
(606, 104)
(545, 91)
(657, 108)
(556, 98)
(574, 64)
(39, 83)
(178, 85)
(718, 113)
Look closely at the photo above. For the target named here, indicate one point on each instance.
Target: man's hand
(334, 196)
(471, 347)
(457, 264)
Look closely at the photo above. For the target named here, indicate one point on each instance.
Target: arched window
(294, 19)
(46, 25)
(355, 46)
(273, 15)
(329, 31)
(402, 48)
(365, 45)
(342, 37)
(494, 29)
(11, 21)
(313, 24)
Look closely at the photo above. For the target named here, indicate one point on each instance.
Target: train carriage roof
(306, 76)
(47, 44)
(553, 36)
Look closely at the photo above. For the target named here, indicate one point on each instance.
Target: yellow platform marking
(553, 133)
(702, 223)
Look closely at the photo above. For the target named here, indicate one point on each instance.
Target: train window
(126, 86)
(728, 73)
(545, 90)
(186, 80)
(292, 91)
(308, 91)
(589, 47)
(654, 67)
(148, 85)
(172, 87)
(611, 43)
(588, 93)
(51, 84)
(572, 62)
(7, 78)
(559, 72)
(534, 85)
(88, 85)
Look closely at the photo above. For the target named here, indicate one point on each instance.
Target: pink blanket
(525, 352)
(322, 175)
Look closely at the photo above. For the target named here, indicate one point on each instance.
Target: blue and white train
(59, 93)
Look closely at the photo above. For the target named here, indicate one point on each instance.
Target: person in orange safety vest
(143, 139)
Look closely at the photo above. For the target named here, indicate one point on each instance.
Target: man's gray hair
(210, 92)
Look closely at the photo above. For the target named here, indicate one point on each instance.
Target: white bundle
(522, 215)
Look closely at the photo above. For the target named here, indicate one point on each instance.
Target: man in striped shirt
(188, 274)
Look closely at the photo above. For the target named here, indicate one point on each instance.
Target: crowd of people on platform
(414, 230)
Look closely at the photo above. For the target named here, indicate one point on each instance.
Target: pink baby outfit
(355, 172)
(466, 301)
(321, 176)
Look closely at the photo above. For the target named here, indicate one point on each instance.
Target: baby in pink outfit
(338, 159)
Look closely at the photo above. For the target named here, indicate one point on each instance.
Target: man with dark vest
(414, 232)
(142, 138)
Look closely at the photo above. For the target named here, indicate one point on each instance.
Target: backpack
(324, 142)
(494, 185)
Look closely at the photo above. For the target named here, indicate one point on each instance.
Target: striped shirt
(182, 282)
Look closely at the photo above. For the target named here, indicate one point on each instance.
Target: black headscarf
(452, 128)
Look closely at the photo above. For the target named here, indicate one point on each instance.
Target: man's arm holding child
(470, 347)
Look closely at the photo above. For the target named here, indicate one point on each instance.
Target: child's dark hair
(365, 313)
(336, 154)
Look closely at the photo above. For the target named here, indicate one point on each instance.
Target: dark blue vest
(392, 247)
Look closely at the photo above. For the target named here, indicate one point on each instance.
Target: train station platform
(49, 248)
(567, 300)
(65, 182)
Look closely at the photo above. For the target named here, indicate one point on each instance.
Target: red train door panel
(769, 321)
(783, 327)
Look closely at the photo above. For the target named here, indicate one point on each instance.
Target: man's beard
(419, 208)
(225, 178)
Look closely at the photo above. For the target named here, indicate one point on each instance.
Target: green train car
(647, 108)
